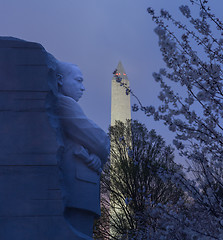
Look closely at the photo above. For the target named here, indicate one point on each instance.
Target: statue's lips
(80, 95)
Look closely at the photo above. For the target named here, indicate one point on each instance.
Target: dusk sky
(96, 34)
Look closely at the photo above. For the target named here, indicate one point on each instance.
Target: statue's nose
(82, 88)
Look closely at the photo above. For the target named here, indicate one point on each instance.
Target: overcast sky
(96, 34)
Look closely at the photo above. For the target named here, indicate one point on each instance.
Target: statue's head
(69, 80)
(64, 78)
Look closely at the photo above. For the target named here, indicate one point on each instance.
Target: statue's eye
(79, 80)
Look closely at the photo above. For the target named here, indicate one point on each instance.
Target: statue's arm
(84, 132)
(91, 160)
(77, 127)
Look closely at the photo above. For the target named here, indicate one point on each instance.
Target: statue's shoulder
(64, 99)
(67, 101)
(69, 106)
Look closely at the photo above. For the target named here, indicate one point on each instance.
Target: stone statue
(84, 148)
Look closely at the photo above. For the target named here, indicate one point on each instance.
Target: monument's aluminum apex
(120, 72)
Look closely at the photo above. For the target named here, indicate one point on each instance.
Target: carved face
(71, 82)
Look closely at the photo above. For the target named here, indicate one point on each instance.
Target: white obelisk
(120, 111)
(120, 102)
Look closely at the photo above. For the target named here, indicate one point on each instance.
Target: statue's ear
(59, 79)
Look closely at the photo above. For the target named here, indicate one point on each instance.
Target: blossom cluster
(193, 110)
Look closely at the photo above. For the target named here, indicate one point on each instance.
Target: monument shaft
(120, 101)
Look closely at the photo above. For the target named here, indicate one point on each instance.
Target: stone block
(30, 197)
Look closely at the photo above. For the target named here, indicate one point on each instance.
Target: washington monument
(120, 102)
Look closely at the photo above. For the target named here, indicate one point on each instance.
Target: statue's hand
(94, 163)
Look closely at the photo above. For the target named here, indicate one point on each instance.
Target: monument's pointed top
(120, 71)
(120, 67)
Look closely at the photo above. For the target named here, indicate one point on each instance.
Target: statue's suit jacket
(78, 137)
